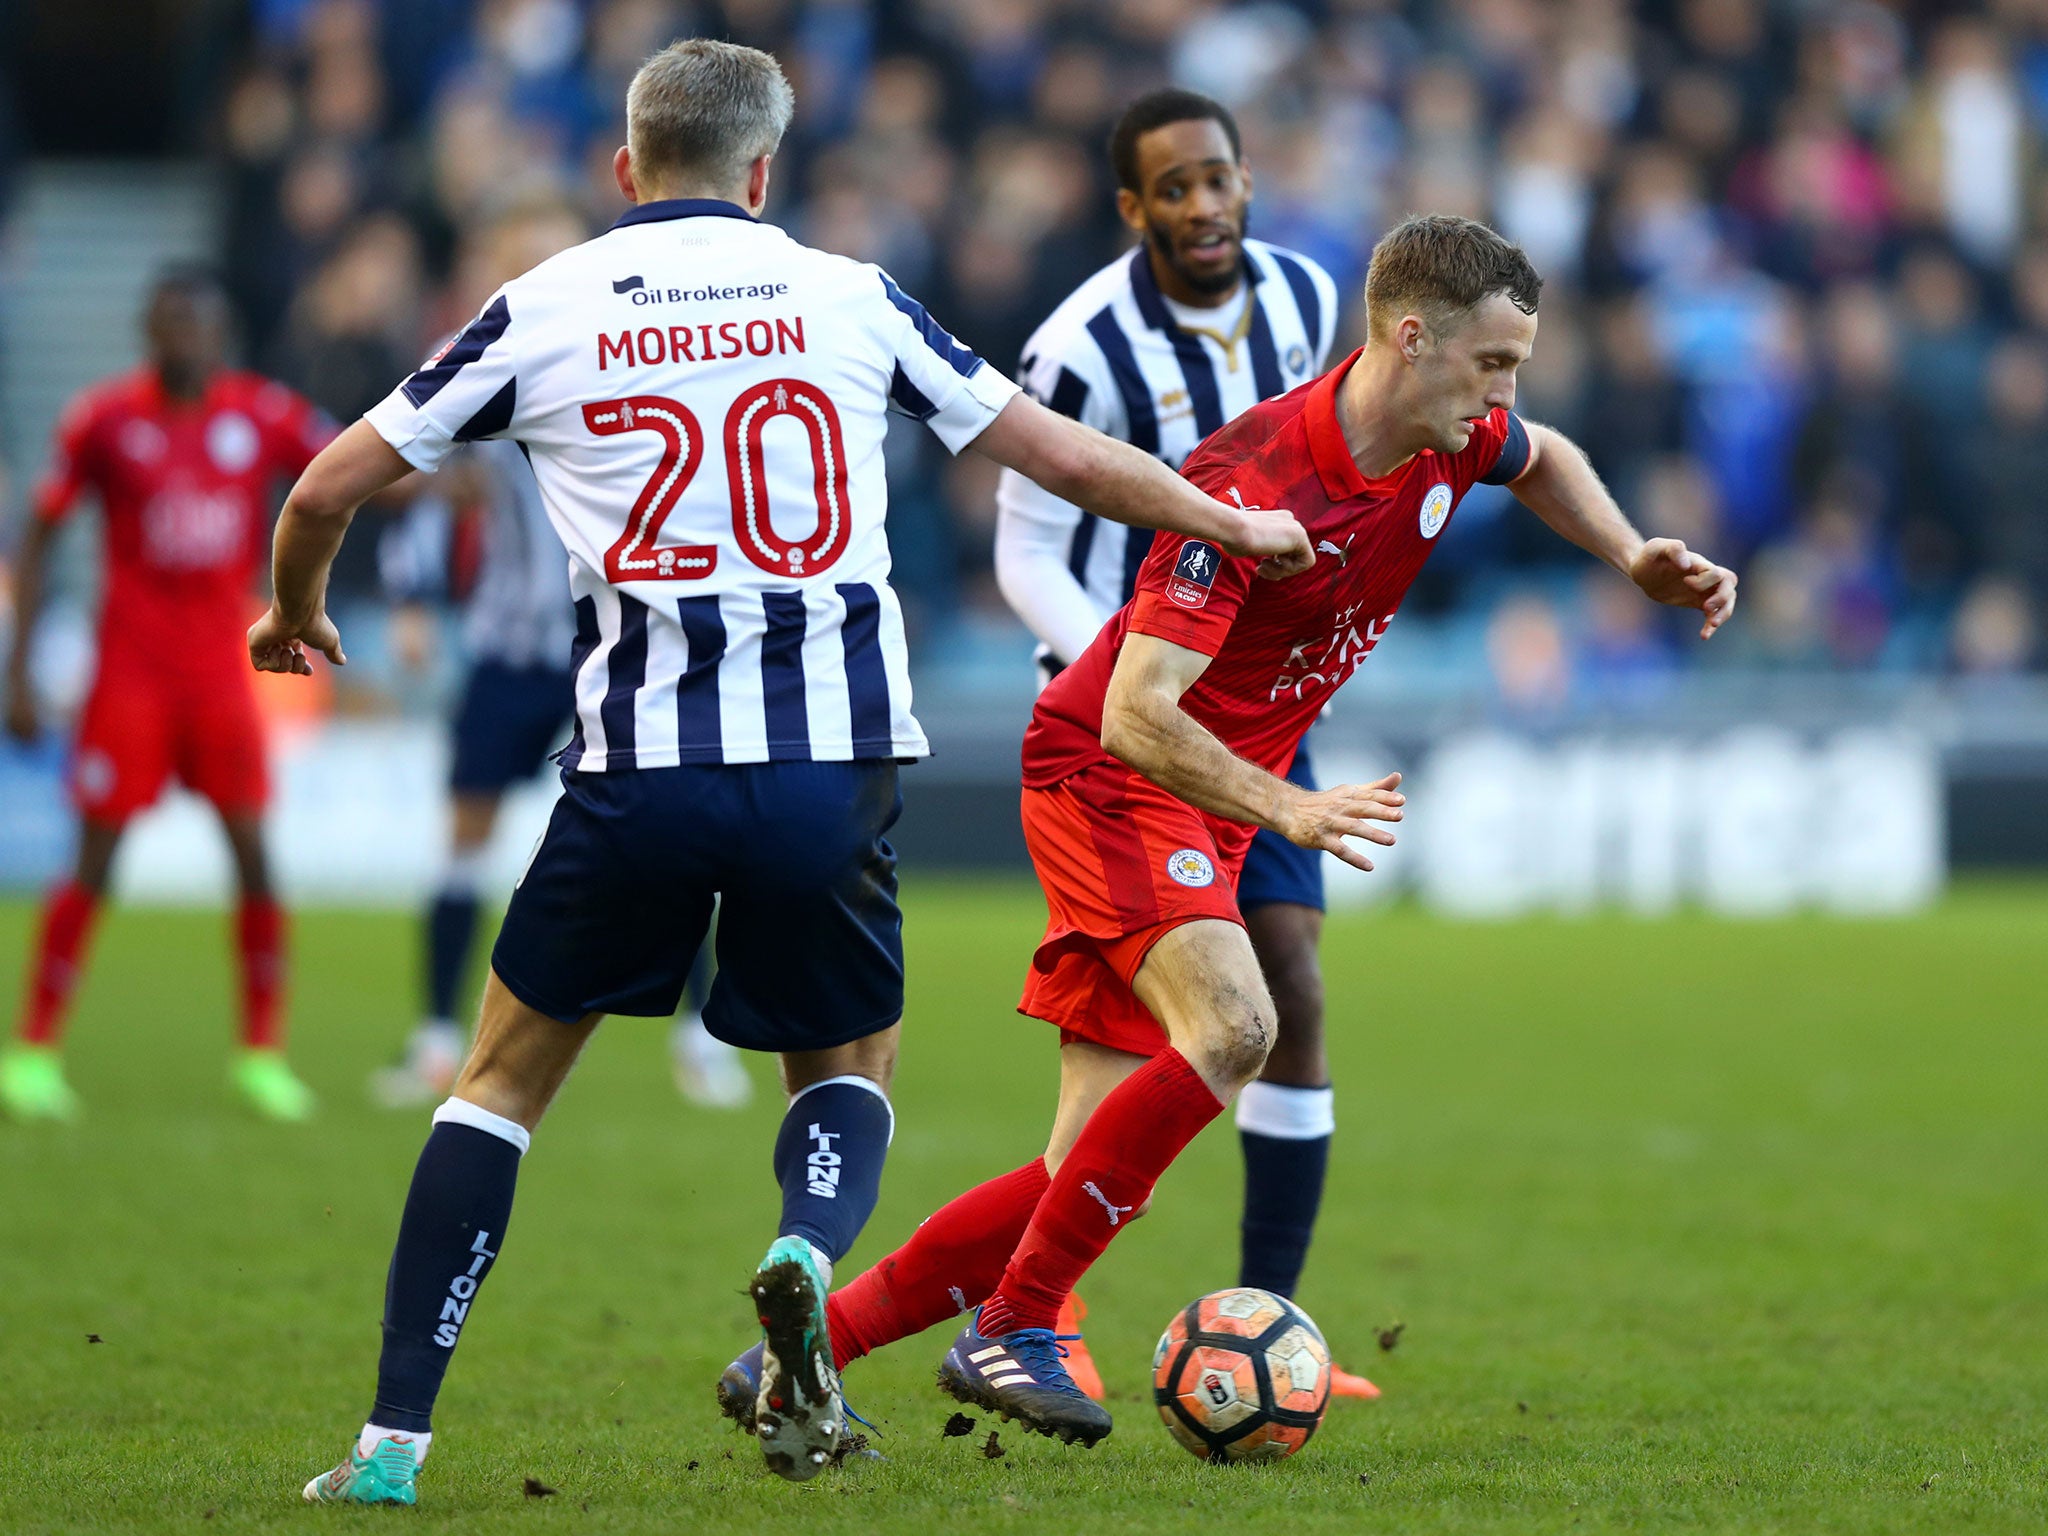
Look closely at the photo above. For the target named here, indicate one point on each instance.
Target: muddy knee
(1236, 1048)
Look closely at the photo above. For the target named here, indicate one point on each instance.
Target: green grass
(1693, 1225)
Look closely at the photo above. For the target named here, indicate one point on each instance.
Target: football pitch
(1684, 1225)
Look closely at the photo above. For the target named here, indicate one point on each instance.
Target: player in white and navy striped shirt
(703, 401)
(517, 701)
(1161, 348)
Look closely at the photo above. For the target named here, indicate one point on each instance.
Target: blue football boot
(739, 1391)
(1021, 1376)
(740, 1388)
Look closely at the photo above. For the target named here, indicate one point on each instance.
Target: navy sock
(451, 931)
(1285, 1133)
(829, 1158)
(453, 1227)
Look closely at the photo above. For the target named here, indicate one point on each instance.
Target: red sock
(1131, 1139)
(259, 937)
(952, 1261)
(60, 950)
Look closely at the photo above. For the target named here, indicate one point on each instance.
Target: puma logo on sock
(1116, 1212)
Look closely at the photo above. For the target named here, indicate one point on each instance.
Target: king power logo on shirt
(1326, 662)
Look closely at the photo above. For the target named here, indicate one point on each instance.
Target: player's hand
(1670, 573)
(22, 723)
(1324, 818)
(277, 645)
(1272, 537)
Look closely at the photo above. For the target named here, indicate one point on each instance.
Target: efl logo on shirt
(1194, 573)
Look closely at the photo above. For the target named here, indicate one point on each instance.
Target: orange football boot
(1344, 1384)
(1080, 1364)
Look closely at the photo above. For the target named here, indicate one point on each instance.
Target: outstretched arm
(347, 472)
(1560, 487)
(1119, 482)
(1144, 725)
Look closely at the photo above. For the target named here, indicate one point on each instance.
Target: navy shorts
(1276, 870)
(614, 904)
(510, 719)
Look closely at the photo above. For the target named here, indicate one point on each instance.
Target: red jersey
(186, 490)
(1281, 648)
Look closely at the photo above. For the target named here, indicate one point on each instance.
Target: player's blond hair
(700, 112)
(1438, 266)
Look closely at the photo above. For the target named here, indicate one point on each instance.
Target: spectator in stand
(349, 332)
(1624, 659)
(1996, 636)
(1702, 182)
(2007, 527)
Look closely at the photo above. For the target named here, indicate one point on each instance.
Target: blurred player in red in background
(182, 454)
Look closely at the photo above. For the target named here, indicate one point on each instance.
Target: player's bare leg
(451, 1233)
(1285, 1118)
(434, 1050)
(259, 1072)
(32, 1084)
(1202, 982)
(829, 1158)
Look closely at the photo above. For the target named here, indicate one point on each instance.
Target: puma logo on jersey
(1116, 1212)
(1325, 547)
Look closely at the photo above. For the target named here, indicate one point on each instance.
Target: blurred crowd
(1796, 252)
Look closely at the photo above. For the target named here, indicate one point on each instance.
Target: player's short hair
(1438, 266)
(706, 110)
(1160, 109)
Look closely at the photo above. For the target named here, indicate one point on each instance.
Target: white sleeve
(1031, 569)
(1035, 529)
(937, 380)
(466, 391)
(1326, 290)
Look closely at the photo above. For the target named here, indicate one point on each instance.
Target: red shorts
(1122, 863)
(142, 724)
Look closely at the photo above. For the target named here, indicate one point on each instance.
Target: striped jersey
(518, 612)
(1119, 356)
(703, 401)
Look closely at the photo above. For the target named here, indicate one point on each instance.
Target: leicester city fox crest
(1436, 508)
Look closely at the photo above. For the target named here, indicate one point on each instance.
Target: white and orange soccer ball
(1241, 1375)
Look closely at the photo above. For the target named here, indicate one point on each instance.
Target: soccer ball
(1241, 1375)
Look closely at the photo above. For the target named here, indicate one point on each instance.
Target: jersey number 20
(637, 556)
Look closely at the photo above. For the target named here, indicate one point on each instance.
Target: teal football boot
(385, 1476)
(799, 1416)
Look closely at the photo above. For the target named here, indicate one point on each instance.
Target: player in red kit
(182, 455)
(1150, 763)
